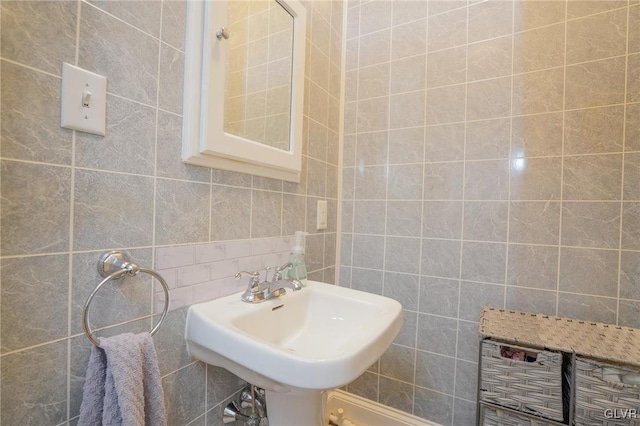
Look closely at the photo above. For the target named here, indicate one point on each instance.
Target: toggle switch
(84, 100)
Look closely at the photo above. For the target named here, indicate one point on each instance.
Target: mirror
(244, 84)
(258, 91)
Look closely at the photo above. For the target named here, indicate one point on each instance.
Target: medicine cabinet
(244, 86)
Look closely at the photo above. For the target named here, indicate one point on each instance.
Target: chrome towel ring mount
(113, 265)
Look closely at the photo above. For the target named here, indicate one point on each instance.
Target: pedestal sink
(297, 345)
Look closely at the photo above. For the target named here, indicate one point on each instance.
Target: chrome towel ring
(121, 263)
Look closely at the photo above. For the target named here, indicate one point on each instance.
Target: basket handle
(630, 379)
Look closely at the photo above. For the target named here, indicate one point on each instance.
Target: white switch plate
(321, 219)
(76, 84)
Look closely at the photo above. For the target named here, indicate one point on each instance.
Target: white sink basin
(320, 337)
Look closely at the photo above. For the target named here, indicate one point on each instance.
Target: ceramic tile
(592, 131)
(588, 271)
(171, 79)
(540, 48)
(466, 380)
(486, 180)
(532, 266)
(402, 255)
(442, 219)
(589, 308)
(478, 295)
(484, 262)
(597, 37)
(439, 296)
(499, 13)
(434, 406)
(596, 83)
(407, 110)
(489, 59)
(373, 81)
(375, 16)
(435, 372)
(30, 100)
(468, 341)
(591, 224)
(465, 412)
(174, 17)
(594, 177)
(447, 30)
(578, 8)
(375, 48)
(489, 98)
(534, 222)
(183, 392)
(536, 135)
(488, 139)
(443, 181)
(409, 39)
(395, 394)
(445, 142)
(538, 13)
(144, 15)
(407, 74)
(631, 226)
(405, 182)
(633, 77)
(446, 67)
(403, 288)
(446, 104)
(34, 300)
(440, 258)
(179, 207)
(406, 145)
(370, 217)
(39, 35)
(631, 189)
(485, 220)
(398, 363)
(528, 300)
(371, 183)
(539, 91)
(127, 57)
(36, 377)
(35, 208)
(230, 215)
(368, 251)
(129, 144)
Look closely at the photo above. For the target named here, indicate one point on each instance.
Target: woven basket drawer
(492, 416)
(601, 396)
(532, 387)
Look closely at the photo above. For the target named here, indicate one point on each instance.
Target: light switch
(321, 220)
(84, 100)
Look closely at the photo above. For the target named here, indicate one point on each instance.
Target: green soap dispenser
(298, 269)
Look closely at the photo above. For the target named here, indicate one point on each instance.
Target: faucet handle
(254, 275)
(277, 275)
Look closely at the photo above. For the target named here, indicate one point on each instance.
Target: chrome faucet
(258, 291)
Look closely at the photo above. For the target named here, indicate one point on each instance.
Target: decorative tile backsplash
(204, 272)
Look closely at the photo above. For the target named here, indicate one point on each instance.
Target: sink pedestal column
(299, 408)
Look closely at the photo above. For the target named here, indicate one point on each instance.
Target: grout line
(464, 171)
(622, 177)
(509, 175)
(71, 231)
(564, 131)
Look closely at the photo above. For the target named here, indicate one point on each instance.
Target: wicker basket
(532, 387)
(601, 397)
(491, 416)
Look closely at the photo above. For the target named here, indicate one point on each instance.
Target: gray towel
(123, 385)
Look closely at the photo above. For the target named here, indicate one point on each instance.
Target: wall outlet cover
(321, 220)
(84, 100)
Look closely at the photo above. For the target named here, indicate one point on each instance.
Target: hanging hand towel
(123, 385)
